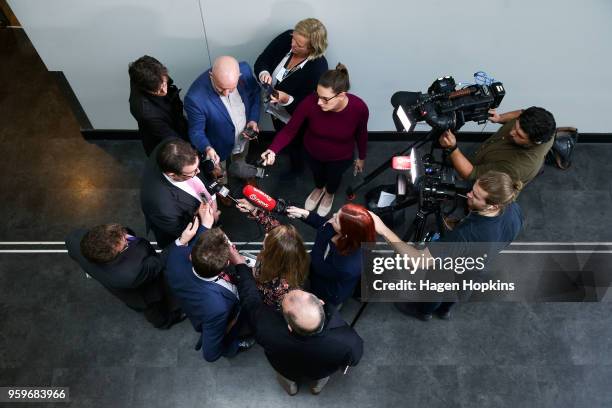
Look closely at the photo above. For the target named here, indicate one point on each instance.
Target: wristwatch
(449, 150)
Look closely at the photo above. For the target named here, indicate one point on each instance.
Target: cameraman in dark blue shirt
(494, 222)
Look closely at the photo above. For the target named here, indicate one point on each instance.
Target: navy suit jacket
(332, 278)
(209, 121)
(209, 306)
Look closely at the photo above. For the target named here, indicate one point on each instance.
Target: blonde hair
(501, 189)
(316, 33)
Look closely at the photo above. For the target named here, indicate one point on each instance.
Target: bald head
(303, 312)
(225, 74)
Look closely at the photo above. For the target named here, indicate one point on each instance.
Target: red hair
(356, 226)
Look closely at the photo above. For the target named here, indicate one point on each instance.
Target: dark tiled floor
(58, 328)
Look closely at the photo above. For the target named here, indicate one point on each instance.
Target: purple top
(329, 136)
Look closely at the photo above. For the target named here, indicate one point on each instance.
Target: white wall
(93, 42)
(552, 53)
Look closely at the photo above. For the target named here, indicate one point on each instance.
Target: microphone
(403, 165)
(264, 201)
(206, 166)
(244, 170)
(216, 188)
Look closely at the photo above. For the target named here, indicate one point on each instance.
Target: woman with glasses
(334, 121)
(335, 259)
(292, 64)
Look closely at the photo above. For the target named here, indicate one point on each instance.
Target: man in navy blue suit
(196, 273)
(221, 104)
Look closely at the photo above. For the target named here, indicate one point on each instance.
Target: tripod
(432, 135)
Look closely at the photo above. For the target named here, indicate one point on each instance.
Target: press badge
(281, 74)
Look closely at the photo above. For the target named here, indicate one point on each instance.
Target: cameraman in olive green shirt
(518, 148)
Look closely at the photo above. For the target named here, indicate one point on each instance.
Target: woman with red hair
(335, 260)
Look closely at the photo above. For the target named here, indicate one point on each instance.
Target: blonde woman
(293, 63)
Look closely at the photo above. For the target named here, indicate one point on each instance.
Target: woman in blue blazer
(335, 259)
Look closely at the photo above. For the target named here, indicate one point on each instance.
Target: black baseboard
(374, 136)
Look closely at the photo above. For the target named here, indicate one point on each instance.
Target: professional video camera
(444, 107)
(426, 180)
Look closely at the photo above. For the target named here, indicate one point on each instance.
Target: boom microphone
(264, 201)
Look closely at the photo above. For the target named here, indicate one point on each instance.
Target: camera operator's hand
(494, 117)
(281, 97)
(296, 212)
(235, 258)
(245, 206)
(268, 157)
(206, 212)
(265, 78)
(212, 155)
(447, 140)
(189, 231)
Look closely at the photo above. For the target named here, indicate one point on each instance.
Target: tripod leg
(440, 223)
(412, 231)
(359, 312)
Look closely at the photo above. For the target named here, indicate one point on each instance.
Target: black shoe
(424, 316)
(444, 315)
(176, 317)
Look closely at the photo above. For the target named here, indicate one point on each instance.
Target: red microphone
(401, 163)
(263, 200)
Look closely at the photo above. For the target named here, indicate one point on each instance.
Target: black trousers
(328, 174)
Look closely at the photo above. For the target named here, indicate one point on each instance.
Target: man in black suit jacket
(155, 103)
(168, 197)
(307, 341)
(128, 267)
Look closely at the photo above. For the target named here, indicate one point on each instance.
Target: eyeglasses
(324, 99)
(192, 174)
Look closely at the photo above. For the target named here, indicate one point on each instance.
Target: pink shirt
(329, 136)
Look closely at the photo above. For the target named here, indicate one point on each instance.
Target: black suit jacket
(300, 83)
(158, 117)
(135, 276)
(294, 356)
(167, 208)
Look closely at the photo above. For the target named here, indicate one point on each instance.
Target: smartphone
(250, 260)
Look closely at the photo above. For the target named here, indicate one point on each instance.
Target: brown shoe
(317, 386)
(289, 386)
